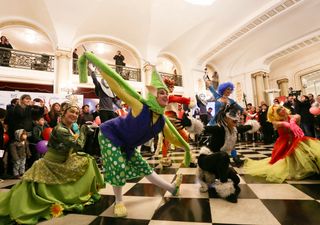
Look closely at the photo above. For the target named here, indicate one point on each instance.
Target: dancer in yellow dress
(294, 155)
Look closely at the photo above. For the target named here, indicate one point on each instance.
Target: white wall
(9, 74)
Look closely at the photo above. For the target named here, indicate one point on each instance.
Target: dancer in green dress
(65, 179)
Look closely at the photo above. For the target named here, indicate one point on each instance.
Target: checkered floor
(293, 202)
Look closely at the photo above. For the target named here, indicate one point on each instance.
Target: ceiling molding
(249, 26)
(293, 48)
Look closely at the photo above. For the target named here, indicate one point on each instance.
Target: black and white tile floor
(292, 202)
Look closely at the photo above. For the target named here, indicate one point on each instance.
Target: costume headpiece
(156, 81)
(230, 111)
(273, 113)
(222, 87)
(71, 102)
(169, 82)
(156, 84)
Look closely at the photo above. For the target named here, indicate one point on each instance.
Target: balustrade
(26, 60)
(177, 78)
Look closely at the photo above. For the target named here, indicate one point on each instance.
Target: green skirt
(27, 202)
(118, 169)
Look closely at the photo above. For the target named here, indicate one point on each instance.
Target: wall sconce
(69, 88)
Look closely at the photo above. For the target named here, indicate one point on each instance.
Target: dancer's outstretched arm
(117, 84)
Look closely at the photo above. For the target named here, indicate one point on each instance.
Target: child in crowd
(19, 150)
(39, 125)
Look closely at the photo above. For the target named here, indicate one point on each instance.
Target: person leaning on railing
(5, 52)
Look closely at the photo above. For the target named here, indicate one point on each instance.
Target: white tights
(153, 178)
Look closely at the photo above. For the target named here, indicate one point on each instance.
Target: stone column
(283, 86)
(259, 93)
(266, 87)
(254, 90)
(273, 93)
(63, 67)
(147, 69)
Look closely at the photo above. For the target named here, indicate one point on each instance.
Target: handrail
(26, 60)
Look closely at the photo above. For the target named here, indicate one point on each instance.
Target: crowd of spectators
(301, 105)
(22, 127)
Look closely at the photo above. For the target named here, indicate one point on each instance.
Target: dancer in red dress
(294, 155)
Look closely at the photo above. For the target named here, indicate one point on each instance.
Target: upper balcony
(26, 60)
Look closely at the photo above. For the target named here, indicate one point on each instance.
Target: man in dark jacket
(119, 58)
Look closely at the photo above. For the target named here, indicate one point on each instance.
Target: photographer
(119, 58)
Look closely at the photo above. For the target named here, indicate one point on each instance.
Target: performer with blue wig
(222, 98)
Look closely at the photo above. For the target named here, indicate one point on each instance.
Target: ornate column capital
(284, 80)
(260, 73)
(62, 53)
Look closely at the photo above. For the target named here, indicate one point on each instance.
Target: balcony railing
(35, 61)
(177, 78)
(128, 73)
(26, 60)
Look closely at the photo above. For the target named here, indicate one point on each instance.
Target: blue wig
(222, 87)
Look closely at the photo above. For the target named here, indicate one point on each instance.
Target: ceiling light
(30, 36)
(200, 2)
(102, 48)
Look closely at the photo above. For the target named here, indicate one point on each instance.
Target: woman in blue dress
(222, 98)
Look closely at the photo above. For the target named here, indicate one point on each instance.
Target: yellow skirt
(303, 162)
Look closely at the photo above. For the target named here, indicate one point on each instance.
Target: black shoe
(238, 190)
(239, 162)
(232, 198)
